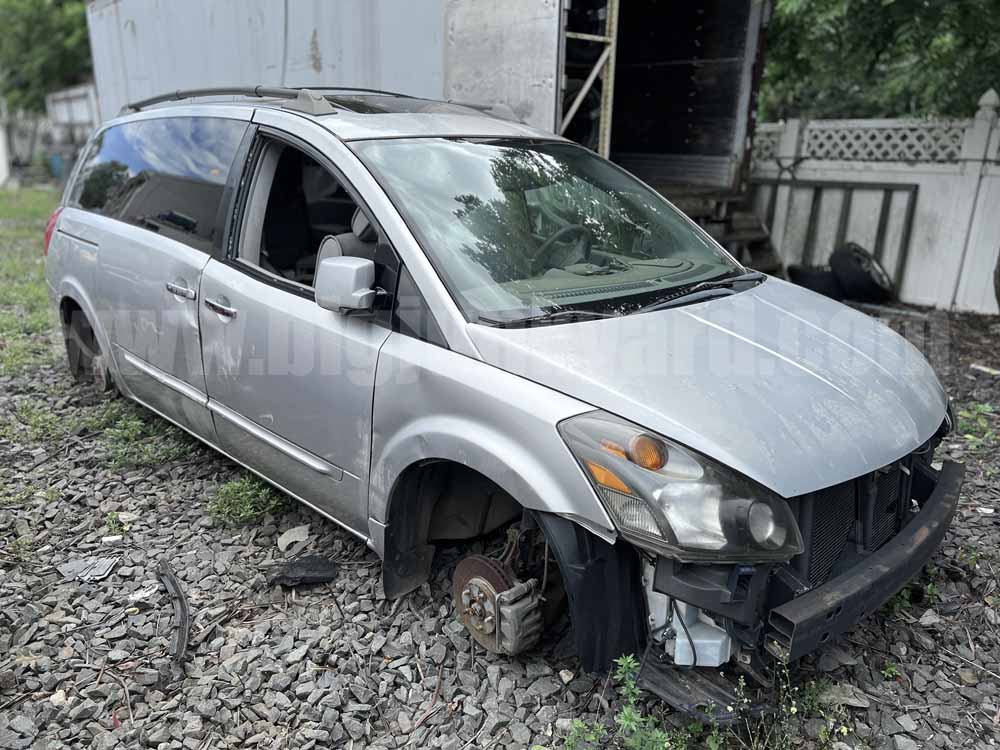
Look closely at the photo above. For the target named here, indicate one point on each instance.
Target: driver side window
(294, 203)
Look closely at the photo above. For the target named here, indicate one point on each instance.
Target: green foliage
(780, 727)
(114, 524)
(975, 425)
(969, 555)
(890, 670)
(880, 58)
(44, 47)
(582, 734)
(26, 317)
(900, 603)
(28, 205)
(19, 549)
(135, 438)
(932, 594)
(34, 422)
(244, 500)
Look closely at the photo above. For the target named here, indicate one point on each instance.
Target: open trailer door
(685, 90)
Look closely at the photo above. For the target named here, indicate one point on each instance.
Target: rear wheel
(81, 346)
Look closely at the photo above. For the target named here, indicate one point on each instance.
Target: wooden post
(977, 146)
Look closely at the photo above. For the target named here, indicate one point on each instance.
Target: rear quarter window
(165, 175)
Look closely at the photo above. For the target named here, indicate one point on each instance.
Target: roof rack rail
(300, 99)
(305, 98)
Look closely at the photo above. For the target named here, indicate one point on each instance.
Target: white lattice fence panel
(766, 140)
(884, 140)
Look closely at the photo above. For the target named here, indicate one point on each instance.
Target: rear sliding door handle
(221, 306)
(180, 290)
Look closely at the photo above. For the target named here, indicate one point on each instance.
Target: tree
(880, 58)
(43, 48)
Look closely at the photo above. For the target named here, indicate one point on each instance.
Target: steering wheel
(586, 237)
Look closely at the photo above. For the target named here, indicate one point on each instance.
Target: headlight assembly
(668, 499)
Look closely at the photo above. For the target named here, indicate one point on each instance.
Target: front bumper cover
(808, 621)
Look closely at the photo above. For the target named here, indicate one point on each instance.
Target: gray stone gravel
(336, 665)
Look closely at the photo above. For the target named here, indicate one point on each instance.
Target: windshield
(518, 228)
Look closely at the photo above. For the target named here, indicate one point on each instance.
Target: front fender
(433, 404)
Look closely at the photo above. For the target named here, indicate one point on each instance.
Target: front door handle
(221, 306)
(178, 288)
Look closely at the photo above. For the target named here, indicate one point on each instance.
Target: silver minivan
(428, 323)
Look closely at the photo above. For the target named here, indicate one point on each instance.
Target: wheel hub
(477, 582)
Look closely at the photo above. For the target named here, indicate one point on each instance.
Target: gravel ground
(88, 664)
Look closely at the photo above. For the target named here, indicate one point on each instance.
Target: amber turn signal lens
(607, 478)
(612, 447)
(647, 452)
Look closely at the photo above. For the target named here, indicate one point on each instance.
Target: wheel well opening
(435, 501)
(588, 577)
(68, 309)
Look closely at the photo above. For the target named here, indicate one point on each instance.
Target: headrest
(362, 228)
(329, 248)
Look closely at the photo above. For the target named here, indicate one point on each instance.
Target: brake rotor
(475, 585)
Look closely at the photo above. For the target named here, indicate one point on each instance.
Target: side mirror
(344, 284)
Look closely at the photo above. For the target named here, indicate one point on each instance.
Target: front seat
(361, 241)
(286, 221)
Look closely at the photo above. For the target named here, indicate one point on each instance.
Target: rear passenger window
(165, 175)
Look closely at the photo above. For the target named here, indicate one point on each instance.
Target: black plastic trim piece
(182, 611)
(703, 694)
(733, 591)
(604, 587)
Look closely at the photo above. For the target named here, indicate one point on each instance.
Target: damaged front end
(733, 577)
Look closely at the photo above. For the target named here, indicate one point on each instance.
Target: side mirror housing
(344, 284)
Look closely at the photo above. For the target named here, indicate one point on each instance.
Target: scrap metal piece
(306, 570)
(88, 568)
(182, 613)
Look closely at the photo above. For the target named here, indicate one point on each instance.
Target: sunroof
(380, 104)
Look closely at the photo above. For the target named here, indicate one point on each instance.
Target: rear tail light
(49, 228)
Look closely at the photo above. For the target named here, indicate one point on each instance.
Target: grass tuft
(136, 438)
(244, 500)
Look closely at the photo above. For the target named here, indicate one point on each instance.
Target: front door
(290, 384)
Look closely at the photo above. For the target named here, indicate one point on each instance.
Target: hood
(794, 390)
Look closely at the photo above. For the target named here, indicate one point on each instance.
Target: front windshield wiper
(696, 292)
(556, 316)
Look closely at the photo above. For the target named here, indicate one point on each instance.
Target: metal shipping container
(664, 87)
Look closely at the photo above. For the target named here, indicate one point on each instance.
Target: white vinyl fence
(923, 195)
